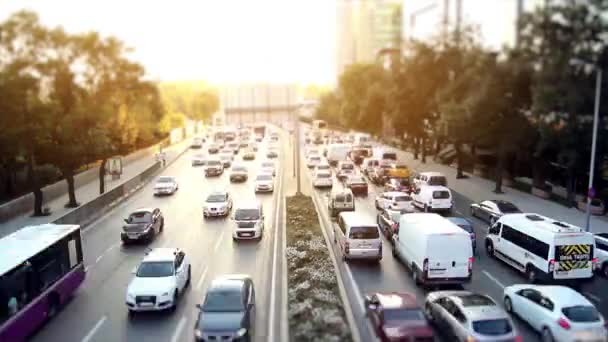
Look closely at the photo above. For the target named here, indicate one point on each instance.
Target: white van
(337, 153)
(384, 154)
(363, 139)
(542, 248)
(434, 249)
(358, 237)
(430, 178)
(433, 198)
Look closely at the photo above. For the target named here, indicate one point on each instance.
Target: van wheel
(415, 276)
(605, 269)
(546, 335)
(426, 208)
(508, 305)
(492, 220)
(394, 251)
(53, 301)
(489, 249)
(531, 274)
(428, 312)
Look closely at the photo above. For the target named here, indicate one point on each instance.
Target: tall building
(364, 28)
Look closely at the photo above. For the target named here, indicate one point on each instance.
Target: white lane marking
(178, 330)
(355, 287)
(218, 242)
(93, 330)
(592, 296)
(98, 258)
(272, 320)
(492, 278)
(284, 329)
(199, 284)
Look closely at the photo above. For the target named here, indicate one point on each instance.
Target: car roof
(228, 282)
(497, 201)
(396, 300)
(142, 210)
(395, 193)
(166, 177)
(161, 254)
(432, 173)
(477, 306)
(214, 193)
(436, 187)
(353, 218)
(251, 204)
(562, 296)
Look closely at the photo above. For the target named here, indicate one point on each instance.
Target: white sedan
(268, 167)
(395, 200)
(313, 161)
(165, 185)
(322, 179)
(159, 280)
(558, 313)
(264, 183)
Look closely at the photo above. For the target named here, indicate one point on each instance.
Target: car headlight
(165, 294)
(241, 332)
(130, 296)
(198, 333)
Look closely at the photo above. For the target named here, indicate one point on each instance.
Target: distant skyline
(220, 41)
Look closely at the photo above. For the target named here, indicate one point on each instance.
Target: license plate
(146, 304)
(247, 234)
(133, 235)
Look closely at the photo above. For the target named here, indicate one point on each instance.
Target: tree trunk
(538, 180)
(102, 176)
(69, 178)
(416, 146)
(438, 144)
(458, 148)
(570, 174)
(35, 186)
(423, 159)
(500, 165)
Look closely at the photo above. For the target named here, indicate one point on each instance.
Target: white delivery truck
(434, 249)
(337, 153)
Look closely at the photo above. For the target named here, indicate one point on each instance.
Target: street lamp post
(596, 114)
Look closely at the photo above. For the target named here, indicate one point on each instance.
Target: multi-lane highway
(98, 312)
(489, 275)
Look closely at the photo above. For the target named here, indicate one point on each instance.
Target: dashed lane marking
(93, 330)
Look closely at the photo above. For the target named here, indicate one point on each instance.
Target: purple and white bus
(40, 269)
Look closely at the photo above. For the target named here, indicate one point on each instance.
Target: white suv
(162, 276)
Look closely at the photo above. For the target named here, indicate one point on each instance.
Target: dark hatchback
(228, 310)
(142, 225)
(357, 185)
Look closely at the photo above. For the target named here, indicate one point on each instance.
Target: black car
(388, 222)
(492, 210)
(228, 310)
(143, 224)
(468, 227)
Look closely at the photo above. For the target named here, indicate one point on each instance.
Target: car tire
(604, 269)
(531, 274)
(394, 251)
(131, 313)
(492, 220)
(546, 335)
(189, 280)
(508, 305)
(428, 313)
(53, 300)
(426, 208)
(490, 248)
(175, 298)
(415, 276)
(473, 212)
(162, 225)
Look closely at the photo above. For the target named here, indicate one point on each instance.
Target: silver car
(466, 316)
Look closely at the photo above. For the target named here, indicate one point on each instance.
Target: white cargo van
(433, 198)
(337, 153)
(358, 237)
(434, 249)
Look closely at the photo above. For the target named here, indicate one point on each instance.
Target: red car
(357, 185)
(397, 317)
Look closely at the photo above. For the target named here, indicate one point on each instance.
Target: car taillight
(471, 339)
(563, 323)
(395, 204)
(551, 265)
(595, 263)
(346, 247)
(470, 264)
(519, 339)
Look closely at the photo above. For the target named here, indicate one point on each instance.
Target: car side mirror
(367, 300)
(134, 270)
(198, 306)
(126, 220)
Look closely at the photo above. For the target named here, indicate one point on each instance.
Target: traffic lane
(111, 276)
(102, 294)
(391, 275)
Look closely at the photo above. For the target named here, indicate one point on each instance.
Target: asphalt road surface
(98, 311)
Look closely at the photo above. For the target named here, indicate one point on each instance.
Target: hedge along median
(315, 309)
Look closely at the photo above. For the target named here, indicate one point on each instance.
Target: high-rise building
(364, 28)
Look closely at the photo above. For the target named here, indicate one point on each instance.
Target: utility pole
(253, 103)
(596, 114)
(268, 102)
(519, 12)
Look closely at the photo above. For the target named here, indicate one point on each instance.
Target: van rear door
(448, 255)
(573, 257)
(364, 240)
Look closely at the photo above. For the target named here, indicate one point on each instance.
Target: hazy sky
(215, 40)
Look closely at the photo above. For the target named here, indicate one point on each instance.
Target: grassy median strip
(316, 312)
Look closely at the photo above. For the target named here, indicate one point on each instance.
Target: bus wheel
(53, 302)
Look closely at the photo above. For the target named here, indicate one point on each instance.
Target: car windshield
(223, 301)
(267, 164)
(507, 207)
(402, 198)
(347, 167)
(357, 180)
(200, 156)
(438, 180)
(323, 175)
(441, 194)
(155, 269)
(581, 313)
(264, 177)
(315, 158)
(247, 214)
(142, 217)
(214, 163)
(492, 327)
(225, 157)
(365, 232)
(323, 167)
(216, 198)
(239, 169)
(397, 315)
(165, 180)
